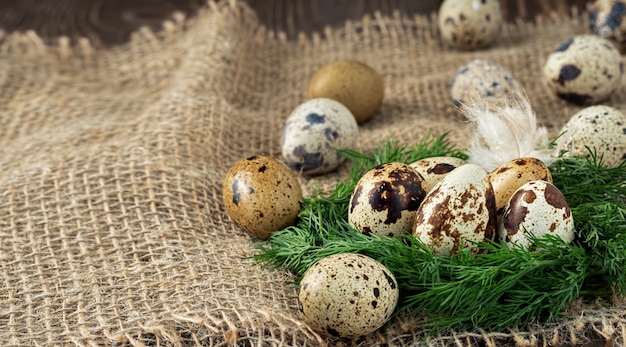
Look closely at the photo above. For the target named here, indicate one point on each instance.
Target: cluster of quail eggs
(449, 204)
(262, 194)
(585, 70)
(346, 295)
(446, 202)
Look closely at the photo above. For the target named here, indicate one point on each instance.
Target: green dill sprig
(597, 198)
(495, 289)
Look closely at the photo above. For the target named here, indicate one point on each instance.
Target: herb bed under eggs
(498, 288)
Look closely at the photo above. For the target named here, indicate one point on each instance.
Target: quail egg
(607, 19)
(313, 134)
(584, 70)
(385, 199)
(508, 177)
(537, 207)
(434, 169)
(347, 295)
(261, 195)
(458, 212)
(601, 128)
(482, 79)
(469, 24)
(353, 83)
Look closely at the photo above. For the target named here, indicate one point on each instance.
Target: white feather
(503, 131)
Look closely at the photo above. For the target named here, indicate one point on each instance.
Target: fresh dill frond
(495, 289)
(597, 197)
(584, 179)
(502, 287)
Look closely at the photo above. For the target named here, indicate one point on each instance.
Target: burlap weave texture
(112, 230)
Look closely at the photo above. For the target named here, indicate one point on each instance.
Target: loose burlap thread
(112, 230)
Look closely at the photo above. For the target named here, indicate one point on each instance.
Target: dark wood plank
(109, 22)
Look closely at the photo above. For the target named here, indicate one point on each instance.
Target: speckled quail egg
(353, 83)
(585, 70)
(607, 19)
(601, 128)
(347, 295)
(459, 210)
(469, 24)
(538, 208)
(261, 195)
(313, 134)
(482, 79)
(508, 177)
(385, 199)
(434, 169)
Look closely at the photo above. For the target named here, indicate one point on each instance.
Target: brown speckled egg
(508, 177)
(460, 208)
(385, 199)
(484, 80)
(313, 134)
(584, 70)
(537, 207)
(353, 83)
(347, 295)
(435, 169)
(601, 128)
(607, 19)
(261, 195)
(469, 24)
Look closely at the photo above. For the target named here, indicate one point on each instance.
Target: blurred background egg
(584, 70)
(353, 83)
(484, 80)
(313, 134)
(469, 24)
(459, 209)
(601, 128)
(537, 207)
(261, 195)
(607, 20)
(385, 200)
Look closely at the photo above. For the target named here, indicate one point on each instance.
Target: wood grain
(110, 22)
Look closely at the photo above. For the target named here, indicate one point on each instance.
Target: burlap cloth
(112, 230)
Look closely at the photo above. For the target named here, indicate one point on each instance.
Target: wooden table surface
(110, 22)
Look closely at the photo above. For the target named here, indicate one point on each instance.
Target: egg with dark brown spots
(458, 212)
(584, 70)
(601, 129)
(434, 169)
(607, 19)
(482, 80)
(469, 24)
(261, 195)
(385, 200)
(314, 133)
(347, 295)
(508, 177)
(538, 208)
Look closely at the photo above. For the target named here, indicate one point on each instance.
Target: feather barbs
(505, 130)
